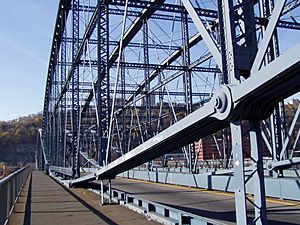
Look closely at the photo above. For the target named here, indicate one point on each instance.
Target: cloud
(8, 41)
(35, 12)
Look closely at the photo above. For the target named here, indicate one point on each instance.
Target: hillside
(18, 139)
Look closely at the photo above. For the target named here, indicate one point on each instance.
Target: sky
(26, 30)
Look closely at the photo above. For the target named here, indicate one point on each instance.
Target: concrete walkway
(51, 203)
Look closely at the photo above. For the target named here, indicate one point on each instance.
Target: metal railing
(10, 188)
(156, 211)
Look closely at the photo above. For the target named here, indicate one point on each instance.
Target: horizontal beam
(157, 67)
(131, 44)
(166, 7)
(61, 170)
(283, 164)
(130, 92)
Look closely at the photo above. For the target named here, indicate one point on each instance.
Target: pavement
(44, 201)
(215, 205)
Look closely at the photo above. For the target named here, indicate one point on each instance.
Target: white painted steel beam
(292, 127)
(267, 35)
(273, 82)
(210, 43)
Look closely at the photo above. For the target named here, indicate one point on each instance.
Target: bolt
(218, 102)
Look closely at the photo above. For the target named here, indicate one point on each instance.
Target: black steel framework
(188, 70)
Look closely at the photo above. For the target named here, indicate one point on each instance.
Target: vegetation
(17, 139)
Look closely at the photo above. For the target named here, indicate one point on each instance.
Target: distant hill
(18, 139)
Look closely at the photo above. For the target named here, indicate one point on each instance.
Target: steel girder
(87, 38)
(249, 92)
(128, 36)
(280, 81)
(92, 24)
(103, 85)
(62, 14)
(75, 92)
(243, 101)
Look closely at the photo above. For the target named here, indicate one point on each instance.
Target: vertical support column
(238, 48)
(75, 91)
(223, 77)
(48, 134)
(42, 159)
(237, 58)
(225, 148)
(187, 83)
(160, 118)
(109, 191)
(37, 153)
(123, 89)
(265, 11)
(101, 193)
(63, 77)
(103, 81)
(277, 118)
(55, 109)
(258, 174)
(160, 94)
(45, 130)
(52, 113)
(53, 133)
(277, 137)
(239, 174)
(148, 99)
(227, 32)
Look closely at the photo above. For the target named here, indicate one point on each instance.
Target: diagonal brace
(267, 36)
(287, 139)
(204, 33)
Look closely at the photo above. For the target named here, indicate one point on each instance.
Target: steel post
(103, 99)
(258, 174)
(75, 91)
(101, 193)
(239, 173)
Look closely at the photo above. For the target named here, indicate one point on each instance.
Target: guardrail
(10, 188)
(282, 188)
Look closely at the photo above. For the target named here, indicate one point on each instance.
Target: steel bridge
(136, 89)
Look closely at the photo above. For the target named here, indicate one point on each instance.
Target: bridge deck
(211, 204)
(50, 203)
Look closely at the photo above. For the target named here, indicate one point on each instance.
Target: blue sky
(26, 29)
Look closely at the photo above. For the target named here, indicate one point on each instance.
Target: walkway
(43, 201)
(51, 203)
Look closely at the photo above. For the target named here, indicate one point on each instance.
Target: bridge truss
(130, 81)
